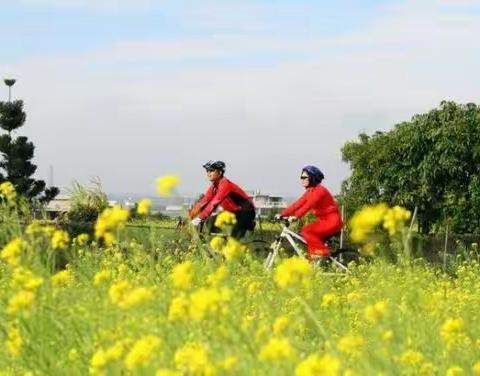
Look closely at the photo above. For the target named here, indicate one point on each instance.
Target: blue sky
(130, 90)
(43, 28)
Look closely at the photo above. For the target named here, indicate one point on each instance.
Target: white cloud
(102, 114)
(93, 4)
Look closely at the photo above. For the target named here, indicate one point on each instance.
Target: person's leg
(210, 225)
(245, 221)
(317, 232)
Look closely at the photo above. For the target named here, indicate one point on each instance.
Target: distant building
(266, 204)
(176, 210)
(59, 205)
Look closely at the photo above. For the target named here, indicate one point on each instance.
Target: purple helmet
(316, 176)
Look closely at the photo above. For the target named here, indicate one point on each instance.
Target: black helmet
(215, 165)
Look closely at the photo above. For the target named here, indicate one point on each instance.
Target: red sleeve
(201, 203)
(206, 197)
(312, 200)
(290, 210)
(222, 192)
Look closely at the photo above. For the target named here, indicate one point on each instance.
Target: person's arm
(311, 201)
(290, 210)
(201, 203)
(222, 192)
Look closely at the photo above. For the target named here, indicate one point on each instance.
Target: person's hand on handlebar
(279, 217)
(196, 221)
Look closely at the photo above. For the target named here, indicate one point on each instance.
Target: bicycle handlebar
(283, 220)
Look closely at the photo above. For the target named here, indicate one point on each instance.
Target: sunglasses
(303, 177)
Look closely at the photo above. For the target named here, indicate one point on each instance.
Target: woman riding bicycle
(320, 202)
(222, 192)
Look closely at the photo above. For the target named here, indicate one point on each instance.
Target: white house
(267, 204)
(60, 204)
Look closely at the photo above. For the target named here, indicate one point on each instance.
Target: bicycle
(340, 257)
(257, 246)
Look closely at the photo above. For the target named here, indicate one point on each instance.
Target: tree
(17, 153)
(431, 162)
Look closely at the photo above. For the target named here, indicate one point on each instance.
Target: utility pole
(50, 176)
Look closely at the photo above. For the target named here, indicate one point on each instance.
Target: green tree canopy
(431, 162)
(17, 153)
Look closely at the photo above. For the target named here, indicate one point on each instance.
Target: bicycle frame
(291, 236)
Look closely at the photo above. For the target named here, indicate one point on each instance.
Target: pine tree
(17, 153)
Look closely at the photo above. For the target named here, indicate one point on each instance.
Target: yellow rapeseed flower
(218, 276)
(410, 358)
(280, 324)
(143, 207)
(14, 342)
(314, 365)
(182, 275)
(350, 344)
(193, 359)
(101, 276)
(293, 272)
(137, 296)
(142, 352)
(22, 300)
(62, 278)
(7, 191)
(178, 309)
(455, 371)
(387, 336)
(34, 228)
(23, 278)
(98, 361)
(217, 243)
(123, 294)
(229, 363)
(101, 358)
(12, 251)
(329, 300)
(109, 222)
(81, 240)
(394, 219)
(375, 312)
(276, 349)
(233, 249)
(452, 331)
(118, 290)
(225, 218)
(116, 351)
(365, 221)
(60, 239)
(205, 301)
(166, 185)
(427, 369)
(476, 368)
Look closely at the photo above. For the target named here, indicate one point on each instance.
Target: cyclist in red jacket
(222, 192)
(320, 202)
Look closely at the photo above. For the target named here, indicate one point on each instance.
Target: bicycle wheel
(346, 255)
(259, 248)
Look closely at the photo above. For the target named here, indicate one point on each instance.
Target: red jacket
(317, 199)
(226, 194)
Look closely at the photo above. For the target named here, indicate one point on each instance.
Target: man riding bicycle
(226, 194)
(320, 202)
